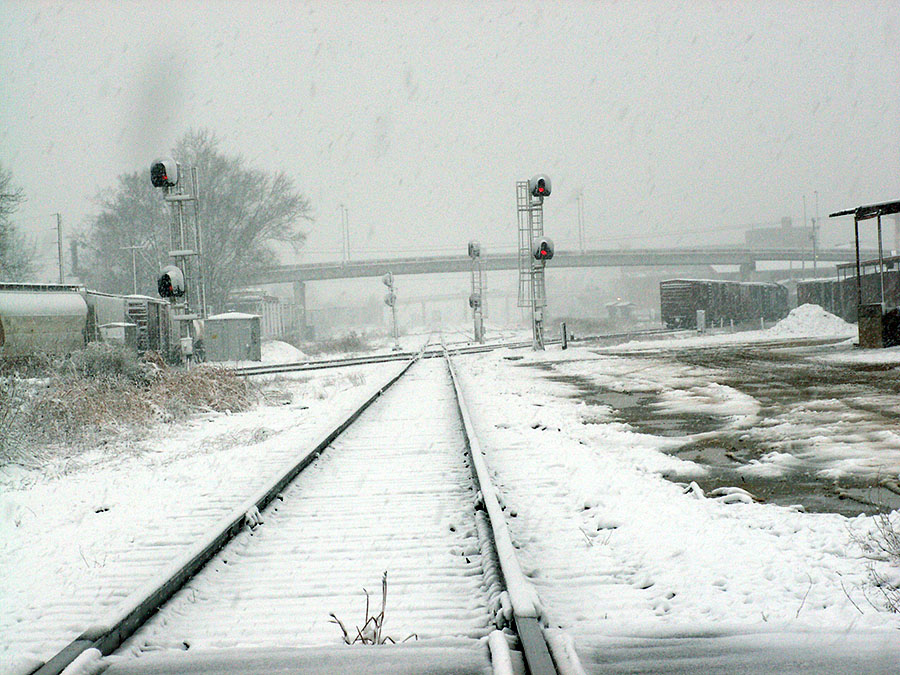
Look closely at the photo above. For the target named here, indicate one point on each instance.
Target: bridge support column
(300, 301)
(747, 270)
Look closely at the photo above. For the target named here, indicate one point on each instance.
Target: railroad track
(778, 343)
(432, 352)
(400, 486)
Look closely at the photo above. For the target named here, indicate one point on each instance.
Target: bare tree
(16, 256)
(245, 213)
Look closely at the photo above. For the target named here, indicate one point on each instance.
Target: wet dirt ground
(782, 381)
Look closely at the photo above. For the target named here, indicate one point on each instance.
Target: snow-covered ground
(611, 545)
(615, 548)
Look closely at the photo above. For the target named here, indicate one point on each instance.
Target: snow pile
(275, 351)
(812, 320)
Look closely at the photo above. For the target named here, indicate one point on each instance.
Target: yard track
(392, 488)
(434, 352)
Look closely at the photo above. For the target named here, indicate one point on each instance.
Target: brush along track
(393, 493)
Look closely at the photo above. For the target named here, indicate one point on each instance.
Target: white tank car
(41, 322)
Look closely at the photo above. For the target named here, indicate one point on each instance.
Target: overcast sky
(671, 118)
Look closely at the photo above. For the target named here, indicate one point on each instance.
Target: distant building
(786, 236)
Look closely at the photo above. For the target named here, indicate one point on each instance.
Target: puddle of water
(724, 454)
(638, 410)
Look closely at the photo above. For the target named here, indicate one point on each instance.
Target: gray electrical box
(232, 337)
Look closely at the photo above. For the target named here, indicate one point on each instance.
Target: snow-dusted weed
(105, 393)
(351, 342)
(882, 547)
(371, 631)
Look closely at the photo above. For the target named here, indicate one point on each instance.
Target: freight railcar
(834, 295)
(839, 295)
(277, 317)
(50, 321)
(58, 319)
(722, 301)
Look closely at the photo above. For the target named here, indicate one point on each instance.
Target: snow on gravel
(613, 547)
(73, 546)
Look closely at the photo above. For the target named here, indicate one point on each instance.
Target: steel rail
(144, 602)
(318, 365)
(525, 602)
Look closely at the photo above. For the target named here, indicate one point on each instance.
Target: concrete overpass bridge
(745, 258)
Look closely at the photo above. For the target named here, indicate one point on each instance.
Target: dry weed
(883, 548)
(371, 631)
(102, 393)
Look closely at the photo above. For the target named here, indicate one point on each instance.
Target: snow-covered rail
(280, 581)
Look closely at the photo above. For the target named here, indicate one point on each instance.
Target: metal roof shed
(879, 325)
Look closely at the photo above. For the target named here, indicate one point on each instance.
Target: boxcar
(722, 301)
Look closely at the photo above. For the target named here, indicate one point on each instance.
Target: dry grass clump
(206, 389)
(351, 342)
(103, 391)
(99, 360)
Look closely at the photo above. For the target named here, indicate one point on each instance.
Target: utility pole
(134, 250)
(815, 233)
(345, 235)
(581, 221)
(803, 262)
(59, 248)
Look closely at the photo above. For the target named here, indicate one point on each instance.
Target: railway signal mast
(476, 297)
(390, 299)
(182, 282)
(534, 251)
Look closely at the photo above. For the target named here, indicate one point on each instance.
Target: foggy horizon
(677, 122)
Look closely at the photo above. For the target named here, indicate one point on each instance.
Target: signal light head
(543, 249)
(170, 283)
(164, 173)
(540, 186)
